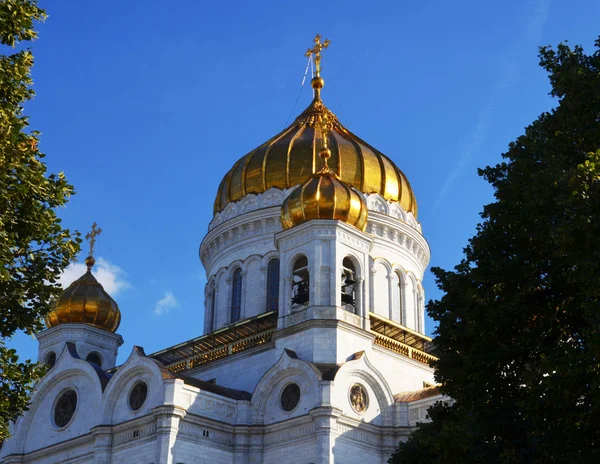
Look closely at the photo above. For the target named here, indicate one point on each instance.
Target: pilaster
(102, 444)
(167, 427)
(256, 446)
(325, 419)
(241, 444)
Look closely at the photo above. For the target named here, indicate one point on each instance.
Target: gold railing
(222, 351)
(403, 349)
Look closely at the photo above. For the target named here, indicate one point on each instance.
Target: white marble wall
(397, 254)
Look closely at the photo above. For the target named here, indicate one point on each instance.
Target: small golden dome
(324, 196)
(86, 302)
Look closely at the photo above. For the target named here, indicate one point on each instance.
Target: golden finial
(91, 237)
(317, 81)
(324, 124)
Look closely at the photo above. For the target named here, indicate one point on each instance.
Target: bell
(301, 293)
(349, 280)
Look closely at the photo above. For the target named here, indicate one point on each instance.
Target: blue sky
(146, 105)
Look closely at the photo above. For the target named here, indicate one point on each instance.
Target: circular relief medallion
(359, 398)
(290, 397)
(65, 408)
(138, 395)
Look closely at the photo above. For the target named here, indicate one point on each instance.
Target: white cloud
(165, 304)
(110, 276)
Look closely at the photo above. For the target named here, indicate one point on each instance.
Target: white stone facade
(245, 235)
(184, 423)
(229, 406)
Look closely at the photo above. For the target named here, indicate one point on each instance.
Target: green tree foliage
(34, 248)
(519, 324)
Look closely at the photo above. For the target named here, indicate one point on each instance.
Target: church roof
(217, 344)
(409, 397)
(214, 388)
(291, 156)
(86, 302)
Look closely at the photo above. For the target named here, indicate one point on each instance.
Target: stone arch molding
(361, 370)
(136, 367)
(101, 397)
(286, 368)
(356, 261)
(69, 366)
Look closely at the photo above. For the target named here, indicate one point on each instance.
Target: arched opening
(236, 295)
(300, 281)
(211, 306)
(95, 358)
(348, 285)
(273, 285)
(50, 359)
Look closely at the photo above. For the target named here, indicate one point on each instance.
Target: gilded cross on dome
(91, 237)
(316, 51)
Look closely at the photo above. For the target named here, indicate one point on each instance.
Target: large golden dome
(324, 196)
(86, 302)
(290, 157)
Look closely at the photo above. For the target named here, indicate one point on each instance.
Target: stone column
(366, 308)
(390, 309)
(263, 283)
(241, 444)
(227, 311)
(102, 444)
(325, 428)
(359, 296)
(167, 427)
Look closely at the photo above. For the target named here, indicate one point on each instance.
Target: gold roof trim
(423, 393)
(223, 342)
(400, 333)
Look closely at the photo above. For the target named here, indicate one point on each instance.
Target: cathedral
(313, 349)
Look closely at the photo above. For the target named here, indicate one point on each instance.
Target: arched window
(236, 295)
(50, 359)
(95, 358)
(273, 285)
(348, 285)
(211, 306)
(397, 305)
(300, 281)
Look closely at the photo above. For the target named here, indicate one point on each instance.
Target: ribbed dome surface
(324, 196)
(290, 157)
(86, 302)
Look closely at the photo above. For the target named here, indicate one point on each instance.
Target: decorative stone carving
(377, 203)
(359, 398)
